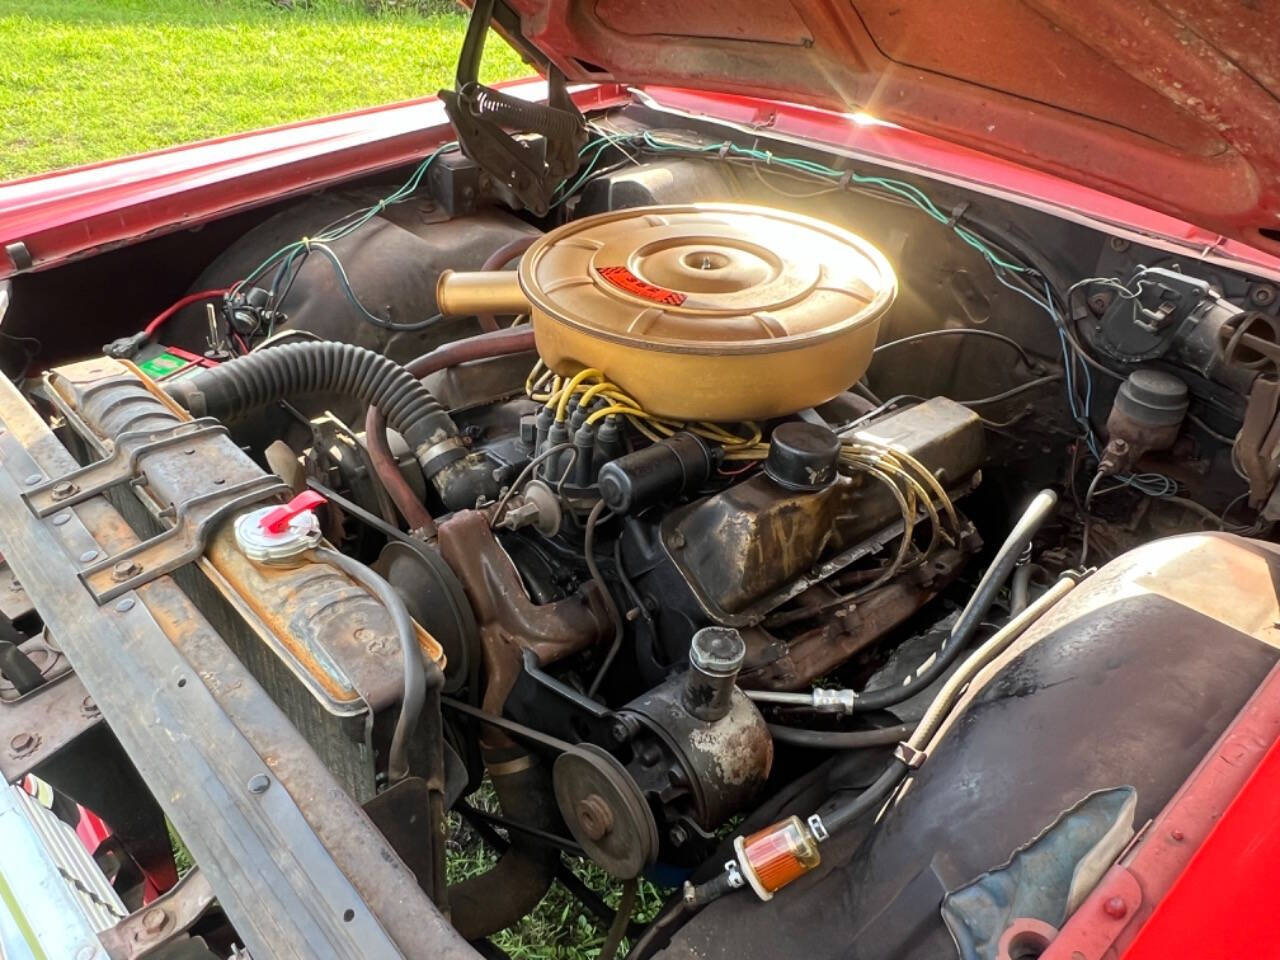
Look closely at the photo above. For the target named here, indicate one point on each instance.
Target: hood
(1170, 104)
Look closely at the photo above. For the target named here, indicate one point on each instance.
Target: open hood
(1170, 103)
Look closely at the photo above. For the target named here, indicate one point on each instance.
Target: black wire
(892, 401)
(588, 552)
(1220, 437)
(1013, 391)
(28, 353)
(627, 586)
(999, 425)
(960, 331)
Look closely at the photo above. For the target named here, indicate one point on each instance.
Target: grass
(88, 80)
(559, 928)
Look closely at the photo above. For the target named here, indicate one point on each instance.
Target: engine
(680, 502)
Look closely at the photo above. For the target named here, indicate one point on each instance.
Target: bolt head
(88, 706)
(594, 816)
(125, 569)
(155, 920)
(63, 489)
(124, 604)
(259, 783)
(23, 743)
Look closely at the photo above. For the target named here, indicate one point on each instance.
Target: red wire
(186, 301)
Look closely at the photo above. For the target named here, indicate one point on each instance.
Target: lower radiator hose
(484, 904)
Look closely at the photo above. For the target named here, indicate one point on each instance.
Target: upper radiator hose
(246, 384)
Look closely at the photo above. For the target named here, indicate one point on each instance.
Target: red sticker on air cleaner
(624, 279)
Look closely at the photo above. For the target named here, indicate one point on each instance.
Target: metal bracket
(121, 466)
(194, 521)
(37, 726)
(480, 113)
(165, 919)
(909, 755)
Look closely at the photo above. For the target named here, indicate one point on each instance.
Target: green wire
(907, 191)
(345, 226)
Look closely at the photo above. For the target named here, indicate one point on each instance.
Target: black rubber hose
(242, 386)
(484, 904)
(17, 667)
(839, 812)
(840, 739)
(972, 615)
(420, 675)
(1020, 588)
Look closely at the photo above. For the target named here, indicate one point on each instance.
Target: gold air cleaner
(719, 312)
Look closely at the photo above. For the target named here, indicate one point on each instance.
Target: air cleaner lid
(707, 278)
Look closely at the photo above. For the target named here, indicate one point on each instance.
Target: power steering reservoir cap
(279, 535)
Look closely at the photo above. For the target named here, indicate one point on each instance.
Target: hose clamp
(817, 827)
(909, 755)
(435, 456)
(733, 874)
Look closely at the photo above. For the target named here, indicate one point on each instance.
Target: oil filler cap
(802, 456)
(277, 535)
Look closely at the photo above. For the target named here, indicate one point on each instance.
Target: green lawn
(86, 80)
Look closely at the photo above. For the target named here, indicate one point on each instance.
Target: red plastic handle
(277, 521)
